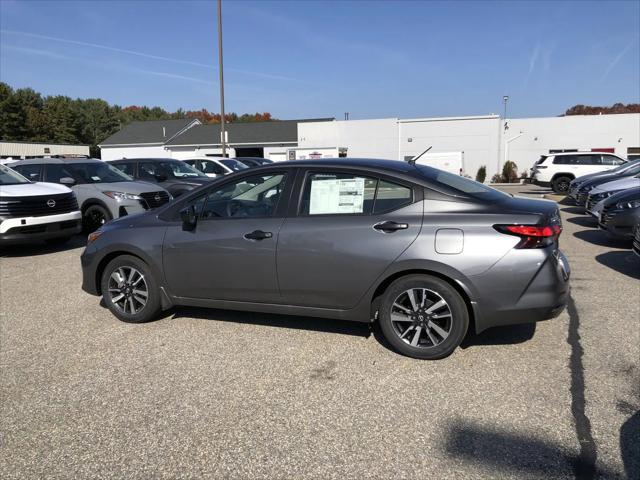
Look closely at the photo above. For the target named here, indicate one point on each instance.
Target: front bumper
(619, 223)
(20, 230)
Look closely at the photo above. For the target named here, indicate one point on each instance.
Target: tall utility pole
(223, 138)
(505, 99)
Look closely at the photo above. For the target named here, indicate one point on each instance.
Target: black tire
(456, 324)
(560, 185)
(57, 241)
(146, 312)
(94, 217)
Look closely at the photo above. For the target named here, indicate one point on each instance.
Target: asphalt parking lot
(206, 393)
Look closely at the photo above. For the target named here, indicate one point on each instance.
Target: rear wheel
(94, 217)
(423, 317)
(561, 184)
(129, 290)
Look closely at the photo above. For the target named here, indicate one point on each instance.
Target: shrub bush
(509, 172)
(482, 174)
(497, 178)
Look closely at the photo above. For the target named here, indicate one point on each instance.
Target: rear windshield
(463, 186)
(541, 159)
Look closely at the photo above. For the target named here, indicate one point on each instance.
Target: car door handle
(390, 226)
(258, 235)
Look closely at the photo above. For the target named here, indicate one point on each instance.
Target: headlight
(588, 188)
(603, 195)
(93, 236)
(628, 204)
(122, 196)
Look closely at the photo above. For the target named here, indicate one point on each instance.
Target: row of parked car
(605, 186)
(52, 199)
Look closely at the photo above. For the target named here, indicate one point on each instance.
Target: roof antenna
(413, 160)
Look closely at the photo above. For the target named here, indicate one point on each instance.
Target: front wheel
(129, 290)
(423, 317)
(94, 217)
(561, 185)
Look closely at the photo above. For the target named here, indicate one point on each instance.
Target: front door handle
(258, 235)
(390, 226)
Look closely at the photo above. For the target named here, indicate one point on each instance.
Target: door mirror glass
(67, 181)
(189, 218)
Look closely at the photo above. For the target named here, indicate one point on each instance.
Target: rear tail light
(532, 236)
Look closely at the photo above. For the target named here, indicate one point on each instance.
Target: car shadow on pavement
(625, 262)
(574, 210)
(507, 335)
(296, 322)
(600, 238)
(588, 222)
(42, 248)
(508, 452)
(630, 445)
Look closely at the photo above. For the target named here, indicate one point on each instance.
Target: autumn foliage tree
(27, 116)
(615, 108)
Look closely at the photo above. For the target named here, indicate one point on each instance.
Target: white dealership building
(479, 140)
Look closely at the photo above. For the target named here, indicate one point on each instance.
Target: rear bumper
(537, 293)
(21, 230)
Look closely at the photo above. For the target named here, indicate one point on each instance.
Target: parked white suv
(35, 211)
(558, 169)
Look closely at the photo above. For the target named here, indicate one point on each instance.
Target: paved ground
(234, 395)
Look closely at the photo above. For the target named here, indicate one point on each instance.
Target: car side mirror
(189, 218)
(67, 181)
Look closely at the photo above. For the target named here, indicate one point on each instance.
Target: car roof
(38, 161)
(123, 160)
(397, 166)
(584, 152)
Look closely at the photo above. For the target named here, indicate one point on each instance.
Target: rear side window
(349, 194)
(391, 196)
(31, 172)
(128, 168)
(565, 160)
(54, 172)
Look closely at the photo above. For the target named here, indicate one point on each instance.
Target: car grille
(607, 214)
(636, 240)
(38, 206)
(581, 198)
(154, 199)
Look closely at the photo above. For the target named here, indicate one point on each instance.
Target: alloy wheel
(421, 318)
(128, 290)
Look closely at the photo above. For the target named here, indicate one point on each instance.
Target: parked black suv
(173, 175)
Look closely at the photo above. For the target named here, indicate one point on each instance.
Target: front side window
(249, 197)
(212, 167)
(338, 194)
(234, 165)
(589, 160)
(611, 160)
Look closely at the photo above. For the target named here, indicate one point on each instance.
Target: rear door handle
(258, 235)
(390, 226)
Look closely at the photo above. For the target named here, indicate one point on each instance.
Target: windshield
(11, 177)
(94, 172)
(460, 184)
(171, 169)
(627, 166)
(234, 165)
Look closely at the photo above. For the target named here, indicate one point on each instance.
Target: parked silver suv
(103, 191)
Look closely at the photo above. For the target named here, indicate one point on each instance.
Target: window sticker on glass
(343, 195)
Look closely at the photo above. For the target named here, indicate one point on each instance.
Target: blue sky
(300, 59)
